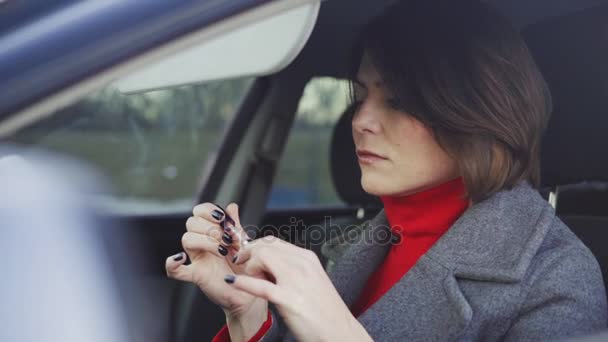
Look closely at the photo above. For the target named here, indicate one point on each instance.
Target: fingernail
(218, 215)
(234, 258)
(229, 278)
(227, 238)
(178, 257)
(223, 251)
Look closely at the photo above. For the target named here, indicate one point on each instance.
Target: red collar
(428, 212)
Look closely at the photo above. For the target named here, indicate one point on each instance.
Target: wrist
(245, 324)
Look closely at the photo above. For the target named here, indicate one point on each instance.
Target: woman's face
(397, 153)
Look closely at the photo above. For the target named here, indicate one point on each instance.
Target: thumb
(242, 237)
(233, 211)
(176, 269)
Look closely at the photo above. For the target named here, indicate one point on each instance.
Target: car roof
(64, 42)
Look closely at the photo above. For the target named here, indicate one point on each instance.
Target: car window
(303, 179)
(152, 146)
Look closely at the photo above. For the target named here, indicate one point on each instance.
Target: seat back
(584, 208)
(571, 54)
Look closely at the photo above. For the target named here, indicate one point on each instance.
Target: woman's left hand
(300, 289)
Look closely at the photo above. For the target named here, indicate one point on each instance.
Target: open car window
(152, 146)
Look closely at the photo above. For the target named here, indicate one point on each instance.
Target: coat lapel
(425, 305)
(494, 240)
(364, 251)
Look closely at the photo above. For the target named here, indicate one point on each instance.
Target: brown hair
(463, 71)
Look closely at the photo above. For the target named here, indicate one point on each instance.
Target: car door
(162, 150)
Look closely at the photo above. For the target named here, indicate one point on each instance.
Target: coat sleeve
(224, 334)
(565, 298)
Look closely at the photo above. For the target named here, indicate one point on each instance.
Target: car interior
(569, 40)
(566, 45)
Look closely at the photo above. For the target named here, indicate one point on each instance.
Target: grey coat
(507, 269)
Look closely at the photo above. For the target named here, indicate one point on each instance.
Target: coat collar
(494, 240)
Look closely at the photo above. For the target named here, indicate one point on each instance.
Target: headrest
(584, 199)
(345, 169)
(571, 53)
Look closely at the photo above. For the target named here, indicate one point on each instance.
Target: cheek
(417, 160)
(415, 145)
(404, 132)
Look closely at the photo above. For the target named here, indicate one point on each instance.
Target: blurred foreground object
(57, 283)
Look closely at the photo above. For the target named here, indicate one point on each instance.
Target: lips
(367, 157)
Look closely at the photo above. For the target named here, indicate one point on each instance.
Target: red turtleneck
(420, 219)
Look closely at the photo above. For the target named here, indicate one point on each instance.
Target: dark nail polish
(223, 251)
(235, 258)
(229, 278)
(218, 215)
(178, 257)
(219, 206)
(227, 238)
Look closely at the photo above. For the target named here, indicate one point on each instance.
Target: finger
(233, 211)
(209, 212)
(174, 265)
(257, 287)
(238, 234)
(245, 253)
(229, 222)
(257, 267)
(200, 225)
(271, 261)
(199, 242)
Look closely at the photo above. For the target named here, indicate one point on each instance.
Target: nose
(365, 119)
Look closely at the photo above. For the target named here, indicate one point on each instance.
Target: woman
(450, 110)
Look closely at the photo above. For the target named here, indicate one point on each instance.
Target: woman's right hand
(209, 265)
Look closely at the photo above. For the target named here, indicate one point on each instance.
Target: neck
(428, 212)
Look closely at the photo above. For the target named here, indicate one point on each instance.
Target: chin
(376, 186)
